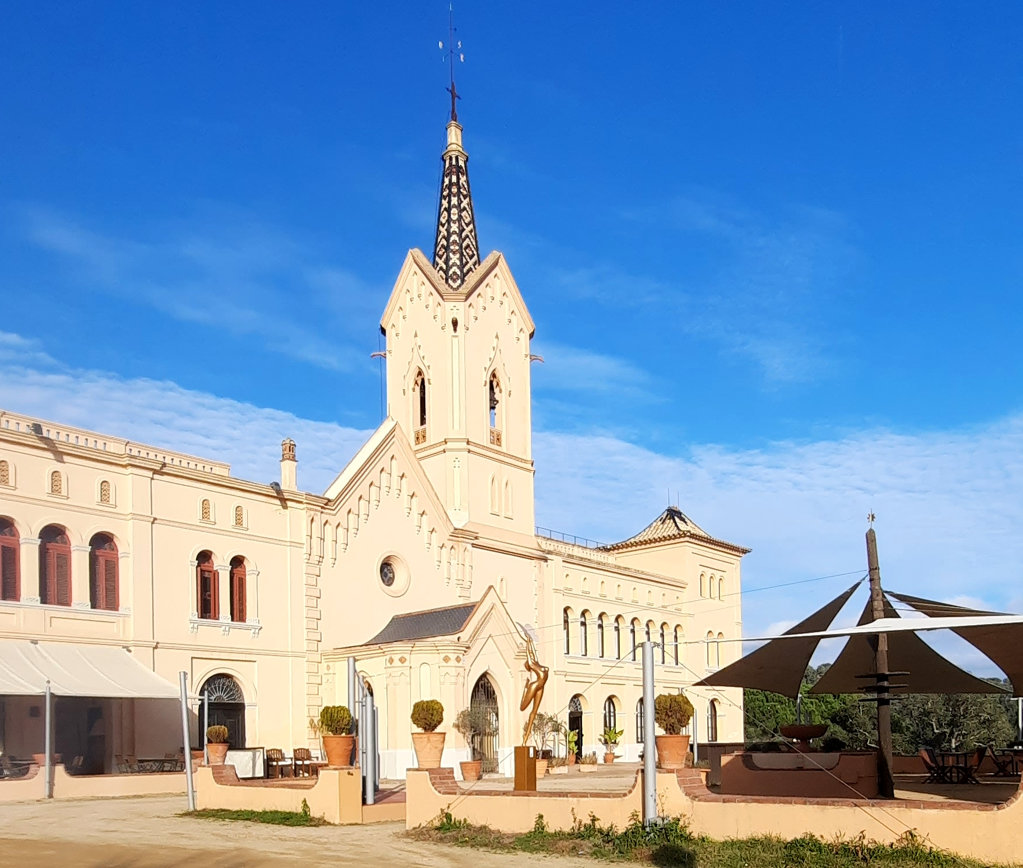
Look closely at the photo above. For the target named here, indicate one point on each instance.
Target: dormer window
(419, 407)
(494, 401)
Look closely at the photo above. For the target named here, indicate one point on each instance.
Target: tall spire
(456, 252)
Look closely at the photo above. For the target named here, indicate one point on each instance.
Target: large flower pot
(672, 751)
(216, 751)
(571, 759)
(609, 757)
(429, 749)
(541, 768)
(338, 749)
(471, 770)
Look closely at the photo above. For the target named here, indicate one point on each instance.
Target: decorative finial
(871, 518)
(453, 47)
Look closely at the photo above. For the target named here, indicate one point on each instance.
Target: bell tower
(458, 357)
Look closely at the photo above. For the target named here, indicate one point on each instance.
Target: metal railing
(571, 539)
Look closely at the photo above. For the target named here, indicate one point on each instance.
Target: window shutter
(109, 583)
(62, 576)
(238, 593)
(9, 572)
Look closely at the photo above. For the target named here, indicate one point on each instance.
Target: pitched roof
(670, 524)
(424, 625)
(456, 251)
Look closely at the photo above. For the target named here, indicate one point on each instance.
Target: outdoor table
(17, 769)
(958, 764)
(157, 764)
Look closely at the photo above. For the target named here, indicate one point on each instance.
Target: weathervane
(453, 47)
(871, 518)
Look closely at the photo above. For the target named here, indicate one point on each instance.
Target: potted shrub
(672, 713)
(571, 746)
(216, 744)
(557, 766)
(610, 740)
(336, 732)
(588, 763)
(474, 724)
(428, 714)
(545, 728)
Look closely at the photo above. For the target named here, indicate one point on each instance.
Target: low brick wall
(817, 775)
(33, 786)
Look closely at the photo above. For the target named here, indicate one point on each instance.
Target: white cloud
(947, 502)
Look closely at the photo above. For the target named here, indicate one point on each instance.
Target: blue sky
(773, 255)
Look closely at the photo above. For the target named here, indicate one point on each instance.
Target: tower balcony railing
(495, 436)
(420, 435)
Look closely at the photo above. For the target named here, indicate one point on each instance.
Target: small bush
(336, 720)
(216, 734)
(427, 714)
(672, 712)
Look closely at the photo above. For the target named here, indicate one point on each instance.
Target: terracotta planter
(557, 770)
(40, 759)
(587, 768)
(338, 749)
(429, 749)
(541, 768)
(672, 751)
(216, 751)
(571, 759)
(609, 757)
(471, 770)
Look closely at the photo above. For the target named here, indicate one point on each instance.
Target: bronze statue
(533, 691)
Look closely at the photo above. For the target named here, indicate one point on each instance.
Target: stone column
(224, 591)
(252, 596)
(80, 596)
(29, 570)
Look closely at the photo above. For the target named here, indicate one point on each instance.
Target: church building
(421, 559)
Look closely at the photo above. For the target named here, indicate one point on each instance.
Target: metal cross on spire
(453, 48)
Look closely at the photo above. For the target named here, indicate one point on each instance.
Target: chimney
(289, 465)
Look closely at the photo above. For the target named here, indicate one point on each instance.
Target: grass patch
(273, 818)
(672, 845)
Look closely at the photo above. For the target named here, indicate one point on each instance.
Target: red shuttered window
(10, 561)
(207, 592)
(238, 590)
(54, 566)
(103, 578)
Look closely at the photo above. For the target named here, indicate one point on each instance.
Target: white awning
(77, 670)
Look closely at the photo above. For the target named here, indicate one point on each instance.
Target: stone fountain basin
(803, 731)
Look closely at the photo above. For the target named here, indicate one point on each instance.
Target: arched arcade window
(103, 577)
(584, 644)
(10, 561)
(712, 720)
(238, 589)
(600, 635)
(207, 590)
(54, 566)
(568, 640)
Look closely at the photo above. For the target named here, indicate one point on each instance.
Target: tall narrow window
(5, 473)
(493, 402)
(639, 721)
(712, 720)
(104, 492)
(678, 642)
(10, 561)
(419, 407)
(206, 589)
(238, 590)
(568, 641)
(710, 650)
(618, 640)
(56, 483)
(584, 645)
(664, 643)
(717, 649)
(54, 566)
(103, 579)
(632, 638)
(610, 714)
(600, 635)
(206, 510)
(239, 516)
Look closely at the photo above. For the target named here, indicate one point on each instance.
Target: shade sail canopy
(779, 666)
(77, 670)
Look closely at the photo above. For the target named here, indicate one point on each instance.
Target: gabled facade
(262, 592)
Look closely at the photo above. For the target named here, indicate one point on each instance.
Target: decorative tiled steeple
(457, 251)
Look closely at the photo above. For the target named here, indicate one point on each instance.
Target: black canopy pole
(879, 642)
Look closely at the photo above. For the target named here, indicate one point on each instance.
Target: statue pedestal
(525, 769)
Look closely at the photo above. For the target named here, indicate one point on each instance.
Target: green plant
(545, 727)
(335, 720)
(474, 724)
(589, 759)
(216, 734)
(672, 712)
(611, 737)
(427, 714)
(571, 740)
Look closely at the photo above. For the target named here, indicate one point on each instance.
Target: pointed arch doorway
(226, 707)
(575, 723)
(484, 696)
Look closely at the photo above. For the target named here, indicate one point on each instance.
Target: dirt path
(146, 833)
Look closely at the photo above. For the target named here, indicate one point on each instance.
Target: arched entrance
(484, 696)
(575, 723)
(226, 707)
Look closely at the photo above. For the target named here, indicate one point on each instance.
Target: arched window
(10, 561)
(225, 706)
(717, 649)
(493, 402)
(568, 641)
(584, 645)
(678, 642)
(419, 407)
(239, 516)
(238, 590)
(664, 643)
(495, 503)
(56, 483)
(54, 566)
(206, 510)
(721, 589)
(103, 578)
(206, 587)
(600, 635)
(632, 639)
(610, 714)
(710, 650)
(618, 640)
(104, 491)
(639, 721)
(649, 631)
(703, 585)
(712, 721)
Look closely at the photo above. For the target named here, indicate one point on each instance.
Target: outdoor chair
(969, 769)
(936, 772)
(1004, 761)
(304, 765)
(276, 763)
(7, 769)
(77, 765)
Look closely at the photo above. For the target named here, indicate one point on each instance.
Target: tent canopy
(77, 670)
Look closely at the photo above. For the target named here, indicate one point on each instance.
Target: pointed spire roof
(456, 252)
